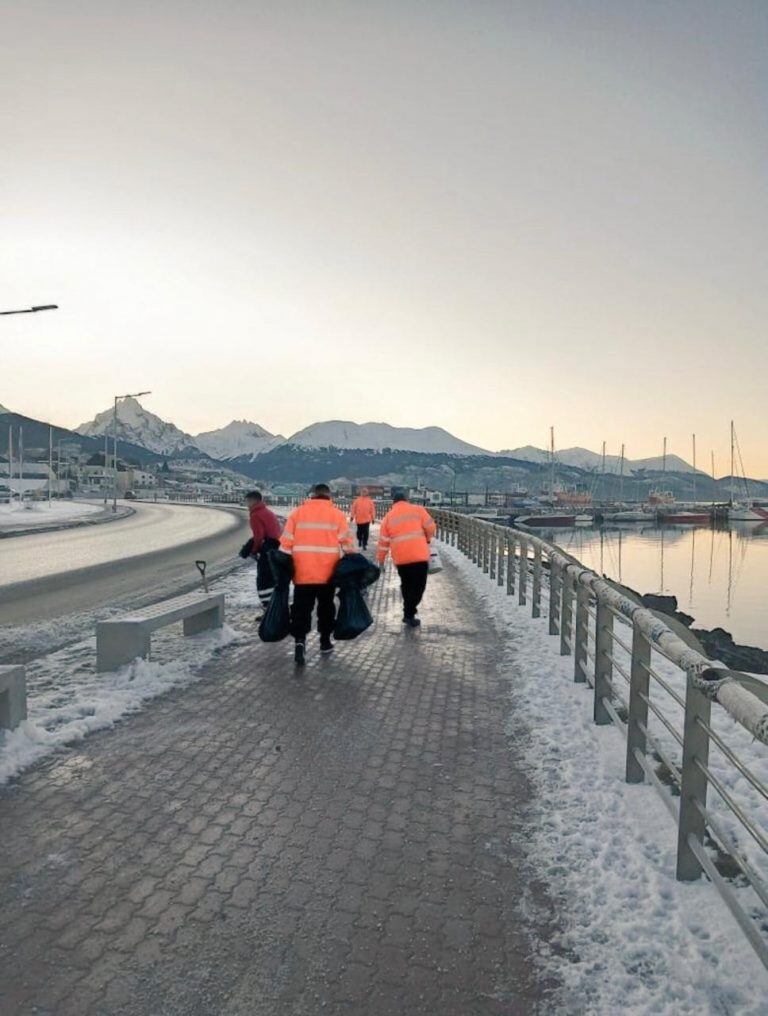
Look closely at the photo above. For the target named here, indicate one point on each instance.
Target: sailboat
(743, 511)
(547, 520)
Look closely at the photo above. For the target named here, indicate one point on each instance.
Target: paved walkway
(343, 842)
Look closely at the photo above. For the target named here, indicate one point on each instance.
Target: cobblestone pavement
(346, 841)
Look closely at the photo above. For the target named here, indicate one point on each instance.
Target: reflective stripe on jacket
(405, 533)
(363, 510)
(316, 533)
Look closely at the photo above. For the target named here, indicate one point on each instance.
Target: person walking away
(265, 527)
(316, 534)
(406, 531)
(363, 513)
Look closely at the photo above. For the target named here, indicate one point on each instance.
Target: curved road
(47, 575)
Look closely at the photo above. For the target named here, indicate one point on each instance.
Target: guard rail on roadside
(623, 670)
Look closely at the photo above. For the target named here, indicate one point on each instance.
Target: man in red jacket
(266, 530)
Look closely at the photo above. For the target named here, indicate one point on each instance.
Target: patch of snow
(583, 458)
(138, 426)
(377, 436)
(3, 410)
(67, 699)
(239, 438)
(632, 938)
(41, 513)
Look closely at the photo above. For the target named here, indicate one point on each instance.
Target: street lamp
(32, 310)
(131, 395)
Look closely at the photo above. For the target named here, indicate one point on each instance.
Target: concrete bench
(125, 638)
(13, 696)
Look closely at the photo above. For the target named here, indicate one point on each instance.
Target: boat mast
(694, 468)
(602, 482)
(621, 475)
(664, 459)
(714, 481)
(731, 500)
(552, 464)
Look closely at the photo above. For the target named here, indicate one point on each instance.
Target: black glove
(247, 549)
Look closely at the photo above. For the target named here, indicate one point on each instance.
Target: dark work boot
(412, 622)
(326, 646)
(299, 657)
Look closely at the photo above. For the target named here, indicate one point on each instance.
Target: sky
(494, 217)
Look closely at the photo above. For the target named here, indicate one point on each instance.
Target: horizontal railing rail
(631, 658)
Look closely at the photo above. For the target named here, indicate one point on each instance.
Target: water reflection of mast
(662, 560)
(730, 573)
(693, 556)
(620, 536)
(711, 553)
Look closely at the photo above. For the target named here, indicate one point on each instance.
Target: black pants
(363, 531)
(413, 582)
(265, 580)
(304, 598)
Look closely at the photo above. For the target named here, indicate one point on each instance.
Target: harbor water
(719, 575)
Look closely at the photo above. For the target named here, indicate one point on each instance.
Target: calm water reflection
(719, 576)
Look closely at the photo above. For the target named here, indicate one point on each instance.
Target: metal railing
(659, 692)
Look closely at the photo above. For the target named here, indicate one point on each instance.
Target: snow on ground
(40, 513)
(67, 698)
(630, 938)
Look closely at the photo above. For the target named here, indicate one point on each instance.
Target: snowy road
(47, 575)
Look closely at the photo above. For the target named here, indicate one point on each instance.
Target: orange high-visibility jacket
(316, 533)
(363, 510)
(405, 533)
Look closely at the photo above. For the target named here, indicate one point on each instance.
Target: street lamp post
(32, 310)
(133, 395)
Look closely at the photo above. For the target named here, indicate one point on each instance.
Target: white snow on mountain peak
(583, 458)
(377, 436)
(238, 438)
(3, 410)
(138, 426)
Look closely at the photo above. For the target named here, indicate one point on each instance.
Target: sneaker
(326, 646)
(412, 622)
(298, 654)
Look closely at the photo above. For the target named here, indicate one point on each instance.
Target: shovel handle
(201, 566)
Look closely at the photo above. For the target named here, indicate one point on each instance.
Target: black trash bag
(353, 574)
(276, 623)
(355, 571)
(353, 616)
(247, 549)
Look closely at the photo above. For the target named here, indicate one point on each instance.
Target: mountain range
(244, 440)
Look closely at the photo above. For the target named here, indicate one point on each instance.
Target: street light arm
(32, 310)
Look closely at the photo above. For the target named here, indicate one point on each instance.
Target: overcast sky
(489, 216)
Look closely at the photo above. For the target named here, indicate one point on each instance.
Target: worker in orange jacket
(406, 531)
(363, 513)
(316, 534)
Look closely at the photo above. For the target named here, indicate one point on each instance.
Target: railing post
(536, 590)
(639, 684)
(566, 613)
(603, 661)
(555, 585)
(510, 565)
(522, 583)
(500, 542)
(492, 554)
(581, 638)
(693, 788)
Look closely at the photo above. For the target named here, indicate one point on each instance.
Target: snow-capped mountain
(137, 425)
(583, 458)
(376, 436)
(241, 437)
(3, 410)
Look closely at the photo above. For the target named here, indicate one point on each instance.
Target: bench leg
(118, 644)
(13, 701)
(213, 618)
